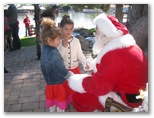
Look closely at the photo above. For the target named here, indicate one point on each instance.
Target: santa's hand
(75, 82)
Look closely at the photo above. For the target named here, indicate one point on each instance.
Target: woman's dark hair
(49, 12)
(54, 7)
(66, 20)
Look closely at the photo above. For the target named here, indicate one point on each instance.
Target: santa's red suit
(119, 71)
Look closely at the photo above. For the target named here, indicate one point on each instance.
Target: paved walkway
(24, 84)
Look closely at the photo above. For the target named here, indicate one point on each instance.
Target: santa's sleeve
(104, 80)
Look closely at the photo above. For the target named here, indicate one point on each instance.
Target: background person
(51, 12)
(12, 15)
(27, 24)
(7, 33)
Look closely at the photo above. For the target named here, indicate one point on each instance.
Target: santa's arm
(105, 77)
(100, 82)
(75, 82)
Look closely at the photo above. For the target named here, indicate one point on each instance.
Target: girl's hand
(87, 67)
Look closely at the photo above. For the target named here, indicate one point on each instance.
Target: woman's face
(67, 30)
(55, 10)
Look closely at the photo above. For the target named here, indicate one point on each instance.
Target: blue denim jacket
(52, 66)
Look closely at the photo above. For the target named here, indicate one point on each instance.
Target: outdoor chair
(120, 108)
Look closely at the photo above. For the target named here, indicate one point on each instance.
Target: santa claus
(120, 69)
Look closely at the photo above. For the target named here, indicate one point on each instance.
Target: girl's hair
(66, 20)
(49, 30)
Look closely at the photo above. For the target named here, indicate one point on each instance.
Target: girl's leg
(60, 110)
(52, 109)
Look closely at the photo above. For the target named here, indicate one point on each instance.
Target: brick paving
(24, 84)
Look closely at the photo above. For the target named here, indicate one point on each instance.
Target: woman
(51, 12)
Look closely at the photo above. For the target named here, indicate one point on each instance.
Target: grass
(28, 41)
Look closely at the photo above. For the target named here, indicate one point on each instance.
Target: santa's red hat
(110, 26)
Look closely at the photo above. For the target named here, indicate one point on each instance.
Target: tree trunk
(119, 12)
(138, 25)
(37, 29)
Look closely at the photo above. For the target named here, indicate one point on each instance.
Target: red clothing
(27, 21)
(89, 102)
(121, 67)
(6, 24)
(59, 95)
(75, 70)
(122, 71)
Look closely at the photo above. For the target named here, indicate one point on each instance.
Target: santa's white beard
(100, 42)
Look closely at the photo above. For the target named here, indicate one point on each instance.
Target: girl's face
(54, 43)
(67, 30)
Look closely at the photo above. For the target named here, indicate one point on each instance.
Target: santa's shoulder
(121, 42)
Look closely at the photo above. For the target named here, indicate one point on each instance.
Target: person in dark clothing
(12, 15)
(5, 71)
(51, 12)
(7, 34)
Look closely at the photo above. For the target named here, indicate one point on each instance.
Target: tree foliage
(80, 7)
(105, 7)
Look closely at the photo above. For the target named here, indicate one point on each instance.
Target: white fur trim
(102, 99)
(106, 26)
(75, 82)
(117, 43)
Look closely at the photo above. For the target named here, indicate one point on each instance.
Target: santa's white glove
(75, 82)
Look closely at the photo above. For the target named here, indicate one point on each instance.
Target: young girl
(58, 93)
(70, 48)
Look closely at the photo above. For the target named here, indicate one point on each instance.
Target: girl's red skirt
(59, 95)
(75, 70)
